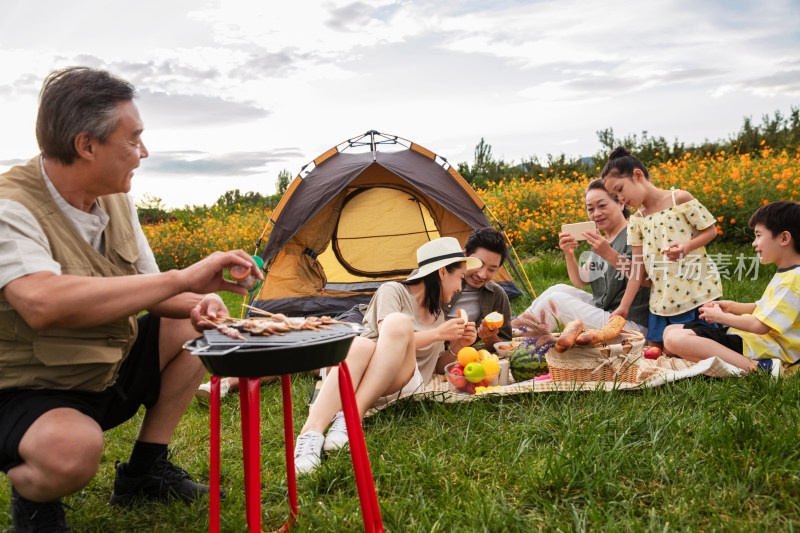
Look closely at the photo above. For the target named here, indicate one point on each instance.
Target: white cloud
(606, 45)
(225, 84)
(193, 110)
(220, 164)
(320, 27)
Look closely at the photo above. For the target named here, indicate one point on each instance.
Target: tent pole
(529, 286)
(519, 277)
(249, 297)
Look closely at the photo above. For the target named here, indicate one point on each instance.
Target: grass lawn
(700, 454)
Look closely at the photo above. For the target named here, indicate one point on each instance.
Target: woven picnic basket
(616, 360)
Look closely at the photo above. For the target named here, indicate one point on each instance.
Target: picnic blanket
(652, 373)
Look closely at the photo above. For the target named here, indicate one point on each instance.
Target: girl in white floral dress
(668, 235)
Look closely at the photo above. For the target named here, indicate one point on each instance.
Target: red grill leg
(288, 438)
(213, 474)
(251, 447)
(251, 452)
(370, 511)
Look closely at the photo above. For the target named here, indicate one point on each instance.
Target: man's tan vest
(63, 358)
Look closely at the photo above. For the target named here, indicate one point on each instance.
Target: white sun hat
(440, 252)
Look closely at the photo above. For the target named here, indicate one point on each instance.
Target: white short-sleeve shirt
(24, 248)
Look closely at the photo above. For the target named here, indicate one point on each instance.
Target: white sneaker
(337, 434)
(203, 393)
(307, 451)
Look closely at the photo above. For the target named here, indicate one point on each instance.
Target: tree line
(778, 131)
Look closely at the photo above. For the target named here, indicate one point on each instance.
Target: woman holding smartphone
(606, 270)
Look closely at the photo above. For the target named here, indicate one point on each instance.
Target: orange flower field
(180, 243)
(731, 186)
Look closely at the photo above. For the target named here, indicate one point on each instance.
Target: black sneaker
(164, 480)
(32, 517)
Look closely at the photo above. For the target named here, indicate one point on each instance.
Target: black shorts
(718, 335)
(139, 383)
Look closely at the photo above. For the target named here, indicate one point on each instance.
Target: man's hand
(205, 276)
(210, 306)
(487, 335)
(47, 300)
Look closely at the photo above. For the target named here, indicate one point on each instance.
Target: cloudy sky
(233, 91)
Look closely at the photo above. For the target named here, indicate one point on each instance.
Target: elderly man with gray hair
(75, 271)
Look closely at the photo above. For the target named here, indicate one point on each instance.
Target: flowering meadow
(195, 234)
(730, 186)
(530, 209)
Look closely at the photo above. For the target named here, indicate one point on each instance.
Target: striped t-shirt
(778, 308)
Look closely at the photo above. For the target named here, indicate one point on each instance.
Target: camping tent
(355, 220)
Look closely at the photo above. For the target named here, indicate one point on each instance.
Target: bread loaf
(609, 331)
(567, 338)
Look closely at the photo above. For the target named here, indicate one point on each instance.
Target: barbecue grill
(273, 355)
(258, 356)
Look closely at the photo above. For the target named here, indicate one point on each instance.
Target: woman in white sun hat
(405, 331)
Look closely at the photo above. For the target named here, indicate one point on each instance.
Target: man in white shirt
(480, 295)
(75, 271)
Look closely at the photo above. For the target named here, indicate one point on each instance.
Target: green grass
(700, 454)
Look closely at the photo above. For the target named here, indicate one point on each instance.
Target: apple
(470, 389)
(653, 352)
(474, 372)
(457, 377)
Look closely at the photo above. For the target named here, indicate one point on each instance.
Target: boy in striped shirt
(758, 336)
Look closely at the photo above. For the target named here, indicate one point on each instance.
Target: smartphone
(579, 227)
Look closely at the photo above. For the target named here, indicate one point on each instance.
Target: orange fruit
(494, 320)
(467, 355)
(490, 367)
(462, 315)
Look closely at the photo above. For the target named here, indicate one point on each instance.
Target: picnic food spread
(482, 370)
(598, 355)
